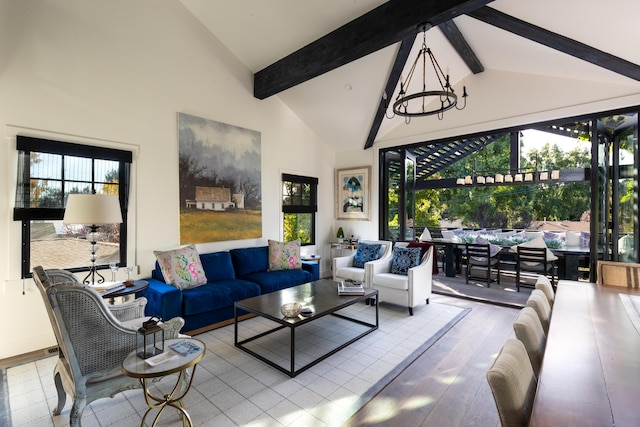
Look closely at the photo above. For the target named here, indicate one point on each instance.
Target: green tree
(515, 206)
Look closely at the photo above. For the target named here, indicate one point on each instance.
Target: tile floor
(233, 388)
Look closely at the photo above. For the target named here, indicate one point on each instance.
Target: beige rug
(233, 388)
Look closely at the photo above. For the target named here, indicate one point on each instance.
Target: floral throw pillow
(284, 256)
(404, 259)
(366, 252)
(182, 267)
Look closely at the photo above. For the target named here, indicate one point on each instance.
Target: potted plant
(340, 234)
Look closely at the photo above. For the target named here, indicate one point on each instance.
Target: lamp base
(93, 237)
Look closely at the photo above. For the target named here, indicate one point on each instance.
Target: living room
(117, 75)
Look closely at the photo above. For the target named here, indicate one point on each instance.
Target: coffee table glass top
(321, 296)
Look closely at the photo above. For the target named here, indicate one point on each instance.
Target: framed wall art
(220, 181)
(353, 190)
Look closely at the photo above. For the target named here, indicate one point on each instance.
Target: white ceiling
(522, 79)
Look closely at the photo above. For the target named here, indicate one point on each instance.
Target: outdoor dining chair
(534, 260)
(478, 256)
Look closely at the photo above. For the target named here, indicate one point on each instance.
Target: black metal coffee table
(321, 296)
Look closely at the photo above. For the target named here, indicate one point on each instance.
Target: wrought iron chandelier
(418, 104)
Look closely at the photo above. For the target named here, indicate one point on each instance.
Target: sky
(535, 139)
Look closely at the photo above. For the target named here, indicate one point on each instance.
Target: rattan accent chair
(92, 343)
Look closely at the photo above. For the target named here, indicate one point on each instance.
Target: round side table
(138, 285)
(135, 367)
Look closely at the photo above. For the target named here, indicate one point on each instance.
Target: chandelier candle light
(92, 210)
(417, 104)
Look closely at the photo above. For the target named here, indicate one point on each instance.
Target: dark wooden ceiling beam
(383, 26)
(557, 42)
(459, 43)
(392, 82)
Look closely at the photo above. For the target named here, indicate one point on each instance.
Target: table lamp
(92, 210)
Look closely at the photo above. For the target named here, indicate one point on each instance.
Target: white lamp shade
(92, 209)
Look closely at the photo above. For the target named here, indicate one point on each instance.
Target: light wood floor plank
(447, 384)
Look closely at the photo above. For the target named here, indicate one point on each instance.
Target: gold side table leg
(161, 403)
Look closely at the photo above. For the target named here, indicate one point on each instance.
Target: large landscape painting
(220, 181)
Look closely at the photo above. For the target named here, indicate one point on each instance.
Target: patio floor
(504, 294)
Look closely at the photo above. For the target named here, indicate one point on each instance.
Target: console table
(590, 369)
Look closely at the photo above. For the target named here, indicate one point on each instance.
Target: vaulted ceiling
(330, 61)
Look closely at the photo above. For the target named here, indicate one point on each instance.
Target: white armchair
(343, 267)
(409, 290)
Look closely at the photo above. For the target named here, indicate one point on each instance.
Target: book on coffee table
(350, 289)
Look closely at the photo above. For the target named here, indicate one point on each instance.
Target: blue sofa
(232, 276)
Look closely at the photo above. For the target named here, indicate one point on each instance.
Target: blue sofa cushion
(216, 295)
(250, 260)
(275, 280)
(218, 266)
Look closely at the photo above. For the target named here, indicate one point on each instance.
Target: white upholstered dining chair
(538, 301)
(513, 384)
(528, 329)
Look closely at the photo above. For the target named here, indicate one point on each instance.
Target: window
(48, 171)
(299, 207)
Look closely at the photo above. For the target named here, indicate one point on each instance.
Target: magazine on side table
(185, 348)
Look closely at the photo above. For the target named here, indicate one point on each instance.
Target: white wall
(116, 73)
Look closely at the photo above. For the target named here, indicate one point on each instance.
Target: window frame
(311, 208)
(23, 211)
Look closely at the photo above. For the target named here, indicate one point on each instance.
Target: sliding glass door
(615, 202)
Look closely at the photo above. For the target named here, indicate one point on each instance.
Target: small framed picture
(353, 189)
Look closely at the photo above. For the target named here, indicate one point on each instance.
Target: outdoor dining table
(569, 257)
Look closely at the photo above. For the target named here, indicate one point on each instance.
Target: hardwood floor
(446, 386)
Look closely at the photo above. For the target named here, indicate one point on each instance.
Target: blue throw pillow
(366, 252)
(404, 259)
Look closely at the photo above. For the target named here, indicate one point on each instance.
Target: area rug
(232, 387)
